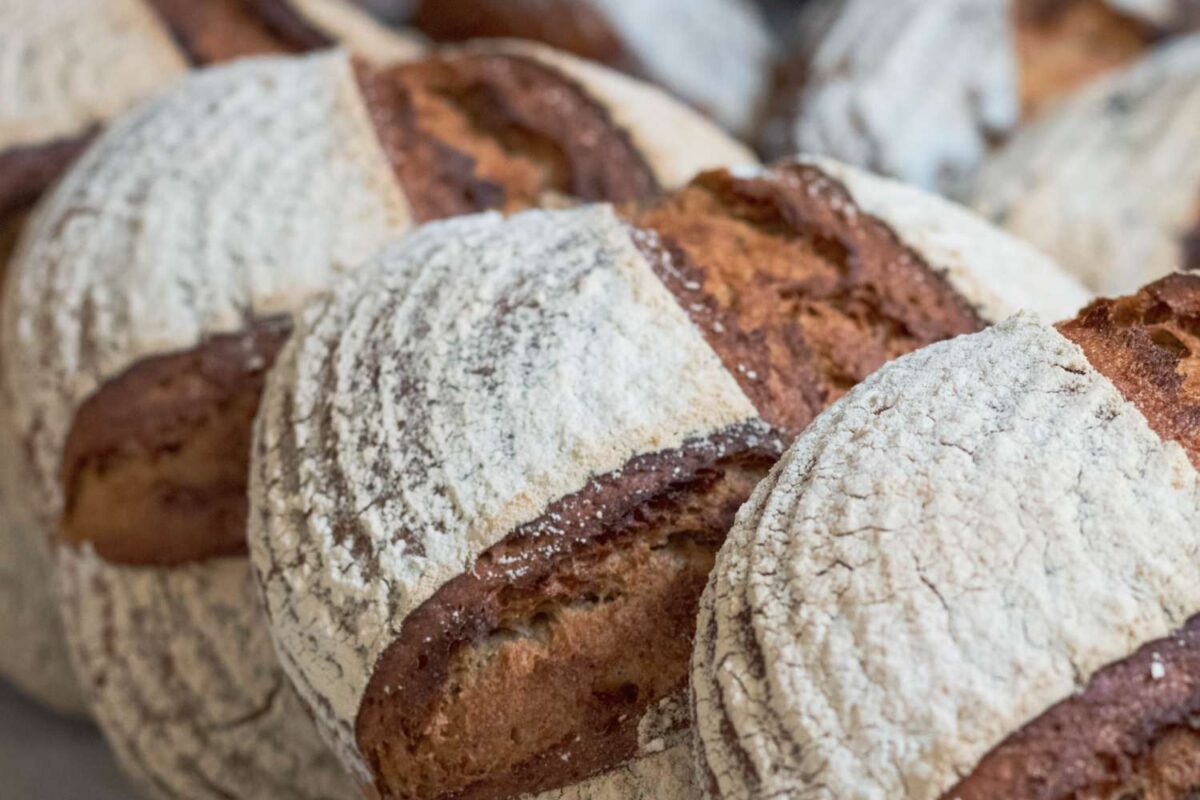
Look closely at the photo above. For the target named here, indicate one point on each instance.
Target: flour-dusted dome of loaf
(971, 577)
(492, 469)
(922, 91)
(1109, 182)
(714, 54)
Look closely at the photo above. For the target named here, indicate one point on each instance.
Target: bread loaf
(482, 510)
(152, 291)
(922, 90)
(712, 53)
(973, 576)
(1109, 182)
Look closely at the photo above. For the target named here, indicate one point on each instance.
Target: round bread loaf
(973, 577)
(1109, 183)
(152, 290)
(715, 54)
(482, 510)
(75, 64)
(922, 90)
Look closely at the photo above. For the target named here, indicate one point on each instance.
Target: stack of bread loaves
(492, 470)
(974, 577)
(151, 291)
(68, 67)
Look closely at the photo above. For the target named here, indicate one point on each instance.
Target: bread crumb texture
(958, 544)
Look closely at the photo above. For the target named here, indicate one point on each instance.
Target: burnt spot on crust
(799, 292)
(213, 31)
(475, 132)
(1148, 345)
(1063, 44)
(1132, 733)
(28, 170)
(155, 466)
(569, 25)
(533, 670)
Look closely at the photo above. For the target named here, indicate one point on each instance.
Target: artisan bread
(922, 90)
(973, 576)
(712, 53)
(491, 471)
(1109, 182)
(153, 289)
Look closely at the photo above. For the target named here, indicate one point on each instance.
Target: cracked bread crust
(1010, 662)
(1077, 183)
(357, 549)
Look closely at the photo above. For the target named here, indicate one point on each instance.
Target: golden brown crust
(477, 132)
(1148, 345)
(155, 466)
(800, 294)
(1063, 44)
(1130, 733)
(533, 670)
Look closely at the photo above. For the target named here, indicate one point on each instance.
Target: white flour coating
(358, 32)
(34, 654)
(908, 88)
(1108, 182)
(676, 141)
(239, 195)
(1162, 13)
(448, 393)
(997, 273)
(958, 544)
(715, 54)
(185, 684)
(662, 776)
(66, 65)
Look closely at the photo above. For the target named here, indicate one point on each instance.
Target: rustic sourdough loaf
(712, 53)
(152, 290)
(482, 510)
(1109, 182)
(921, 90)
(75, 64)
(973, 577)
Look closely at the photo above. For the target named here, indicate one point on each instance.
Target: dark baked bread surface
(1130, 732)
(477, 132)
(534, 669)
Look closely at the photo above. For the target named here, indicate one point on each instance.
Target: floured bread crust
(963, 542)
(912, 89)
(712, 53)
(185, 684)
(72, 64)
(997, 273)
(1108, 183)
(666, 775)
(158, 241)
(320, 23)
(676, 141)
(328, 479)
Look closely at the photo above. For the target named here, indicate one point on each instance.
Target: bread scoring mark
(472, 132)
(419, 418)
(155, 466)
(1148, 345)
(801, 293)
(963, 541)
